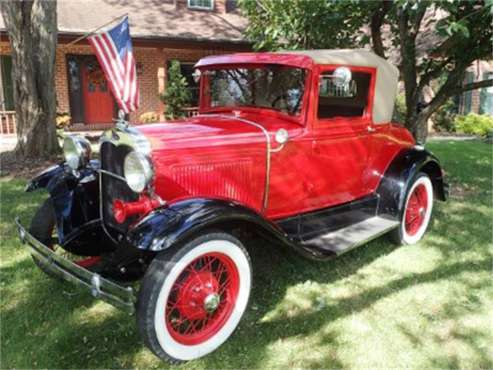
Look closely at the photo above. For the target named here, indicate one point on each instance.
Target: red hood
(203, 131)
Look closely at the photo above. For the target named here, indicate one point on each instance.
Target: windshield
(275, 87)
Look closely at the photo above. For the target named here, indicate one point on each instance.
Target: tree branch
(432, 74)
(376, 25)
(471, 86)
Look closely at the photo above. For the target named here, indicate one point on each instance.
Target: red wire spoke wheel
(193, 296)
(417, 211)
(202, 298)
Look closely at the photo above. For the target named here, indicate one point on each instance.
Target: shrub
(63, 120)
(177, 95)
(399, 109)
(474, 124)
(443, 118)
(149, 117)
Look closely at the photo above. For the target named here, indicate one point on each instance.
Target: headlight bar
(138, 171)
(77, 151)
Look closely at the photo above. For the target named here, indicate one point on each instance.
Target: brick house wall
(152, 78)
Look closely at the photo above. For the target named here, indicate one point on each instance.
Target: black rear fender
(400, 174)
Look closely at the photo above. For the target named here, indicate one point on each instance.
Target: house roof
(150, 19)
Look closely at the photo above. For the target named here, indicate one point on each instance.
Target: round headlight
(77, 151)
(137, 170)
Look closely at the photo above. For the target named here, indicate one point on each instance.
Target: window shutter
(7, 82)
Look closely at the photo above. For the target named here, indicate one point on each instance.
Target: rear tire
(193, 297)
(416, 213)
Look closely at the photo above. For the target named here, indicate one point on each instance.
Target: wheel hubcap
(202, 298)
(211, 302)
(416, 210)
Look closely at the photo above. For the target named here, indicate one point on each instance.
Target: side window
(346, 101)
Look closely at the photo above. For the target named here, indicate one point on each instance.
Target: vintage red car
(297, 148)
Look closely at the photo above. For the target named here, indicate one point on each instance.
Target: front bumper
(117, 295)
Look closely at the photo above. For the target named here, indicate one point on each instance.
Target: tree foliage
(32, 29)
(177, 95)
(461, 33)
(285, 24)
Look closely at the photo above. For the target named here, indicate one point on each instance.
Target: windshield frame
(204, 103)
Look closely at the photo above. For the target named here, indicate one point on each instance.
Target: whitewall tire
(193, 297)
(417, 211)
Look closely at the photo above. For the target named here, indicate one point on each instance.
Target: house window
(466, 97)
(347, 101)
(201, 4)
(187, 70)
(7, 85)
(486, 96)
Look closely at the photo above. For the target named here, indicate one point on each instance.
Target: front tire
(193, 297)
(41, 228)
(417, 211)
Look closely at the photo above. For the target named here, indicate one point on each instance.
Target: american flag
(114, 51)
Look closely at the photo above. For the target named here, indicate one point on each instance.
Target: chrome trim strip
(265, 201)
(112, 175)
(115, 294)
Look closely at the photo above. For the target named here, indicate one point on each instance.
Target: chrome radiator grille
(112, 188)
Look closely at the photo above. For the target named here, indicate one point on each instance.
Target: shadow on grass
(49, 324)
(73, 343)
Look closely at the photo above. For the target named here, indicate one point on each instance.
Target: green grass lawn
(379, 306)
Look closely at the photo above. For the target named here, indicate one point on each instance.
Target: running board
(345, 239)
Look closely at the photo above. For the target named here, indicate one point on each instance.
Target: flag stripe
(114, 82)
(118, 75)
(102, 58)
(113, 52)
(113, 49)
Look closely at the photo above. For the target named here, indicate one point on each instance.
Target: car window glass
(347, 101)
(273, 87)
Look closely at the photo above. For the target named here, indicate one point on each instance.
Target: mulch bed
(11, 166)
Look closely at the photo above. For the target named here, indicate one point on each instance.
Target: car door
(341, 144)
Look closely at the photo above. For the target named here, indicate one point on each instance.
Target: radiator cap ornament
(121, 122)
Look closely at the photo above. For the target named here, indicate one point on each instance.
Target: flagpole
(94, 31)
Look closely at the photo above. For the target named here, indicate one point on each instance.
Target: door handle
(371, 129)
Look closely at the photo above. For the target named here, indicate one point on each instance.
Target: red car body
(315, 164)
(218, 155)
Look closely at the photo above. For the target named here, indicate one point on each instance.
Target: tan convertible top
(387, 75)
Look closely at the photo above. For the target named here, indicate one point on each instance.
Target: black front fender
(166, 226)
(400, 175)
(45, 178)
(75, 197)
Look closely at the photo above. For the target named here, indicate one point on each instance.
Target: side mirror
(196, 75)
(339, 84)
(342, 76)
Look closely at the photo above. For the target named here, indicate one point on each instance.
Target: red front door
(98, 100)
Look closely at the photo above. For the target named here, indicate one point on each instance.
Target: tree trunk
(420, 127)
(32, 29)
